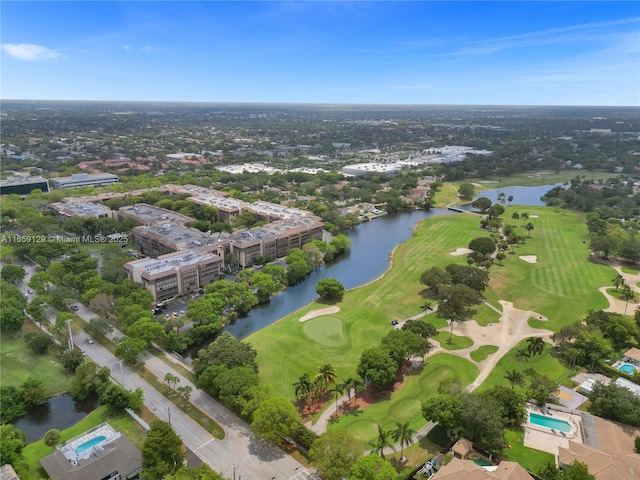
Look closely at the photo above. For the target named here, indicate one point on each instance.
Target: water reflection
(59, 412)
(527, 196)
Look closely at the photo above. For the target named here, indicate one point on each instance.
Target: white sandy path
(461, 251)
(529, 258)
(511, 329)
(319, 313)
(631, 279)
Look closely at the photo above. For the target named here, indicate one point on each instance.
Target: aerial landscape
(320, 240)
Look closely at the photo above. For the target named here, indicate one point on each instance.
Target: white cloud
(30, 52)
(147, 48)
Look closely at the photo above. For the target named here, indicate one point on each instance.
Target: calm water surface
(526, 196)
(59, 412)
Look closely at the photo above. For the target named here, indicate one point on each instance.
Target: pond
(526, 196)
(59, 412)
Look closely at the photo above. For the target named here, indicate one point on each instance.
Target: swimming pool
(549, 422)
(90, 443)
(628, 368)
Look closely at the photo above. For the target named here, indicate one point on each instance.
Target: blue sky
(405, 52)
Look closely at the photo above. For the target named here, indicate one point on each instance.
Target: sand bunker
(533, 216)
(319, 313)
(529, 258)
(461, 251)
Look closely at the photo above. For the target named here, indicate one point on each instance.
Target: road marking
(204, 444)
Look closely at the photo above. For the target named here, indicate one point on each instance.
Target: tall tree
(535, 347)
(275, 419)
(403, 434)
(383, 441)
(334, 453)
(514, 377)
(326, 375)
(162, 452)
(523, 355)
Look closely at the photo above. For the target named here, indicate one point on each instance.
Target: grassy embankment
(18, 362)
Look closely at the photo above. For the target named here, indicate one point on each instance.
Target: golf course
(549, 280)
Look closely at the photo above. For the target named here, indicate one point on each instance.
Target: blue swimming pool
(90, 443)
(549, 422)
(628, 368)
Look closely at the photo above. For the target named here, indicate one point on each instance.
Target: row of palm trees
(325, 380)
(402, 434)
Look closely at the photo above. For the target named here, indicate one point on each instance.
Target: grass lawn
(117, 418)
(530, 458)
(326, 330)
(629, 270)
(19, 362)
(546, 364)
(457, 342)
(481, 353)
(485, 315)
(563, 284)
(405, 403)
(527, 179)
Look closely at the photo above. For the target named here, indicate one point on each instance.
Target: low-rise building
(84, 180)
(98, 454)
(175, 274)
(66, 210)
(228, 208)
(23, 185)
(360, 169)
(156, 240)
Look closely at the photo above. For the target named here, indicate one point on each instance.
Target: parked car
(90, 341)
(394, 322)
(75, 308)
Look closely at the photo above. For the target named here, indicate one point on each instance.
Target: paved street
(254, 459)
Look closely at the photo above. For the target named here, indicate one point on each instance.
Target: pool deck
(549, 440)
(69, 448)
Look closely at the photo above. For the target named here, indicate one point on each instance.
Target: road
(254, 459)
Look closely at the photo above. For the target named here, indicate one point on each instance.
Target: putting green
(326, 330)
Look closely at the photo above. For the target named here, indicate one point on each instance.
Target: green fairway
(18, 362)
(563, 283)
(326, 330)
(404, 404)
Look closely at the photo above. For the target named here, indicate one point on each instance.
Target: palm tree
(426, 306)
(524, 216)
(359, 386)
(514, 377)
(501, 198)
(303, 387)
(510, 199)
(535, 347)
(403, 434)
(618, 281)
(515, 216)
(528, 227)
(627, 294)
(338, 389)
(383, 441)
(523, 355)
(326, 375)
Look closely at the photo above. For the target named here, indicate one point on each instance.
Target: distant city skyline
(390, 52)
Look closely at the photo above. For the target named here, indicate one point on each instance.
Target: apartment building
(150, 215)
(174, 274)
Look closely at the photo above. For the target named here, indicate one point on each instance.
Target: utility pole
(234, 467)
(121, 374)
(169, 412)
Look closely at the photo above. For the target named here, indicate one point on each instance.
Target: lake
(59, 412)
(526, 196)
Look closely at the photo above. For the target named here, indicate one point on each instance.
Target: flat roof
(150, 215)
(172, 261)
(80, 209)
(83, 177)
